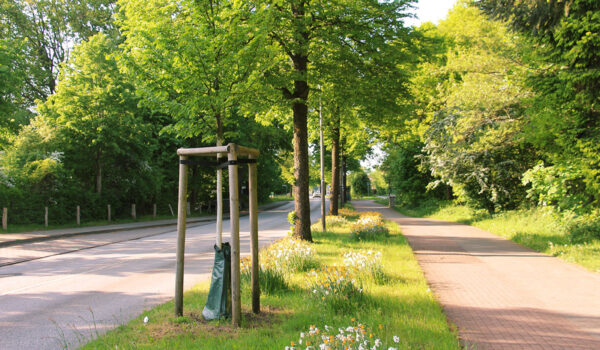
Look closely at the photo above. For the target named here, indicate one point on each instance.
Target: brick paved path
(499, 294)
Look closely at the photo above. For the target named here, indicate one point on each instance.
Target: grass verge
(539, 229)
(400, 304)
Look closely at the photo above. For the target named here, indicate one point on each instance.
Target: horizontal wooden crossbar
(218, 165)
(219, 150)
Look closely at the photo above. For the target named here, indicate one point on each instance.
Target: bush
(585, 229)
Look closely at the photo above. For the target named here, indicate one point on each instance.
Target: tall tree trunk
(301, 186)
(335, 165)
(300, 111)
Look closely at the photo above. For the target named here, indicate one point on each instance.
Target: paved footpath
(499, 294)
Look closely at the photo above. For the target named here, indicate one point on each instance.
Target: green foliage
(564, 117)
(559, 186)
(474, 141)
(360, 183)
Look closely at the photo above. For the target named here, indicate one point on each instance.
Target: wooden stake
(45, 216)
(189, 208)
(219, 200)
(252, 181)
(78, 216)
(108, 212)
(133, 213)
(154, 210)
(234, 220)
(171, 209)
(5, 219)
(181, 219)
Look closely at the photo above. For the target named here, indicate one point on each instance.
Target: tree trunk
(301, 186)
(300, 111)
(335, 165)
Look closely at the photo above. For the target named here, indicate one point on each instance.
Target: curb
(121, 229)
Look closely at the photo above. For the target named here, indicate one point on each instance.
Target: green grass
(403, 305)
(539, 229)
(278, 198)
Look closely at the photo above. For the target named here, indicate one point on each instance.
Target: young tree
(102, 132)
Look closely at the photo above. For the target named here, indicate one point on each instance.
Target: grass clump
(271, 279)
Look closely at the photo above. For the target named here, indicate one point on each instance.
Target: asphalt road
(62, 301)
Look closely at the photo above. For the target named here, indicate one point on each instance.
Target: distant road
(60, 301)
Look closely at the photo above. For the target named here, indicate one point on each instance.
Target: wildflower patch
(369, 226)
(291, 255)
(354, 337)
(368, 264)
(335, 286)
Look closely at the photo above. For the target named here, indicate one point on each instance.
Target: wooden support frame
(232, 152)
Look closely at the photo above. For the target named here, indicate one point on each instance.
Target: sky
(431, 11)
(427, 11)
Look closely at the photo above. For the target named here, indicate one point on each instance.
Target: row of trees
(99, 95)
(506, 108)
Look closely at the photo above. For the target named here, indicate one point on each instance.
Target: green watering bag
(218, 304)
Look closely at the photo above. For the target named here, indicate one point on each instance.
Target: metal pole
(5, 219)
(323, 190)
(181, 219)
(234, 220)
(45, 216)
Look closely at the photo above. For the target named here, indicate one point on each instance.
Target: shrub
(585, 228)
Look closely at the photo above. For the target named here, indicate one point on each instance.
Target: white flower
(302, 335)
(377, 342)
(145, 319)
(396, 339)
(390, 348)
